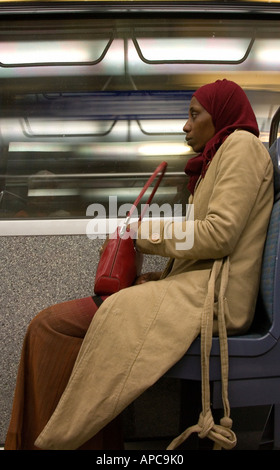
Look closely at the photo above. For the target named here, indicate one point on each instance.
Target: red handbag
(117, 267)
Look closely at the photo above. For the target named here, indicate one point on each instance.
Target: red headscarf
(230, 109)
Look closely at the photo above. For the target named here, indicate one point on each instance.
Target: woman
(152, 324)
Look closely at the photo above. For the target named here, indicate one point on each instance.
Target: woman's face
(199, 127)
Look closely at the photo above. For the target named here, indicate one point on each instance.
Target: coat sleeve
(243, 167)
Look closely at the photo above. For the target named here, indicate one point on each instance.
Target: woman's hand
(152, 276)
(131, 229)
(142, 278)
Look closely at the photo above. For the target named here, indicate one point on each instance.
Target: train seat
(254, 358)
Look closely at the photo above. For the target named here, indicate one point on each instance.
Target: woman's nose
(186, 127)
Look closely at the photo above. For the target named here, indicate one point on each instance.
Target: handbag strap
(158, 173)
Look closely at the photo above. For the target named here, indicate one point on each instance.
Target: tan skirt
(50, 348)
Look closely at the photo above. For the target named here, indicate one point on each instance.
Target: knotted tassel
(222, 435)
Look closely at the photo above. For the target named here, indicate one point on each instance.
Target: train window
(64, 152)
(89, 107)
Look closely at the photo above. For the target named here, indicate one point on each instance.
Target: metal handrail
(61, 64)
(191, 61)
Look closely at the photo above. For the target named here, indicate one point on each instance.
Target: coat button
(155, 237)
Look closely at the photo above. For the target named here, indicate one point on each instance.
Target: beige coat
(140, 332)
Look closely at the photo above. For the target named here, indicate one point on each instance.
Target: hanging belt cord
(222, 435)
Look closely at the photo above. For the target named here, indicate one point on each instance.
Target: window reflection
(58, 165)
(89, 108)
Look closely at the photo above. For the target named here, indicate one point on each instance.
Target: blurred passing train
(93, 95)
